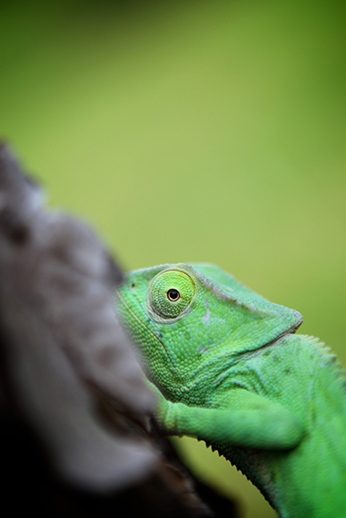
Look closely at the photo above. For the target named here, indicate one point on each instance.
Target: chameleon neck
(310, 479)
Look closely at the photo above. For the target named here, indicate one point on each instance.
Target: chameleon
(228, 368)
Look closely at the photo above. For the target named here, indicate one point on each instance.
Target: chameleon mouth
(290, 331)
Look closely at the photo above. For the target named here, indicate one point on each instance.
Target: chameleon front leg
(249, 421)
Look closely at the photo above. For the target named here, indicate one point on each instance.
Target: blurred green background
(193, 131)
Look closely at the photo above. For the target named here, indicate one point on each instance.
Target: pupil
(173, 295)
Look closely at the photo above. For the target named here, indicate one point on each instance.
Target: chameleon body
(230, 370)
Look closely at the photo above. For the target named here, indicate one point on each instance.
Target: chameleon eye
(170, 293)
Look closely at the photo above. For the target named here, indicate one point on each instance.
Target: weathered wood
(74, 407)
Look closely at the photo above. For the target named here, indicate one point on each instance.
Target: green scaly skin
(231, 371)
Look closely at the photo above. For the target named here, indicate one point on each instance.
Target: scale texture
(229, 369)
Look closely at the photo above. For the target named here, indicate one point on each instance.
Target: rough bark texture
(74, 407)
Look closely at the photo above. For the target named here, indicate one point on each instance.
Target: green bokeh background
(193, 131)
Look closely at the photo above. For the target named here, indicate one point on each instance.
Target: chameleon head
(193, 321)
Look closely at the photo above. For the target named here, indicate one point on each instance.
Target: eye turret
(170, 293)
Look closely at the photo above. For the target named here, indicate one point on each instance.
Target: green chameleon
(231, 371)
